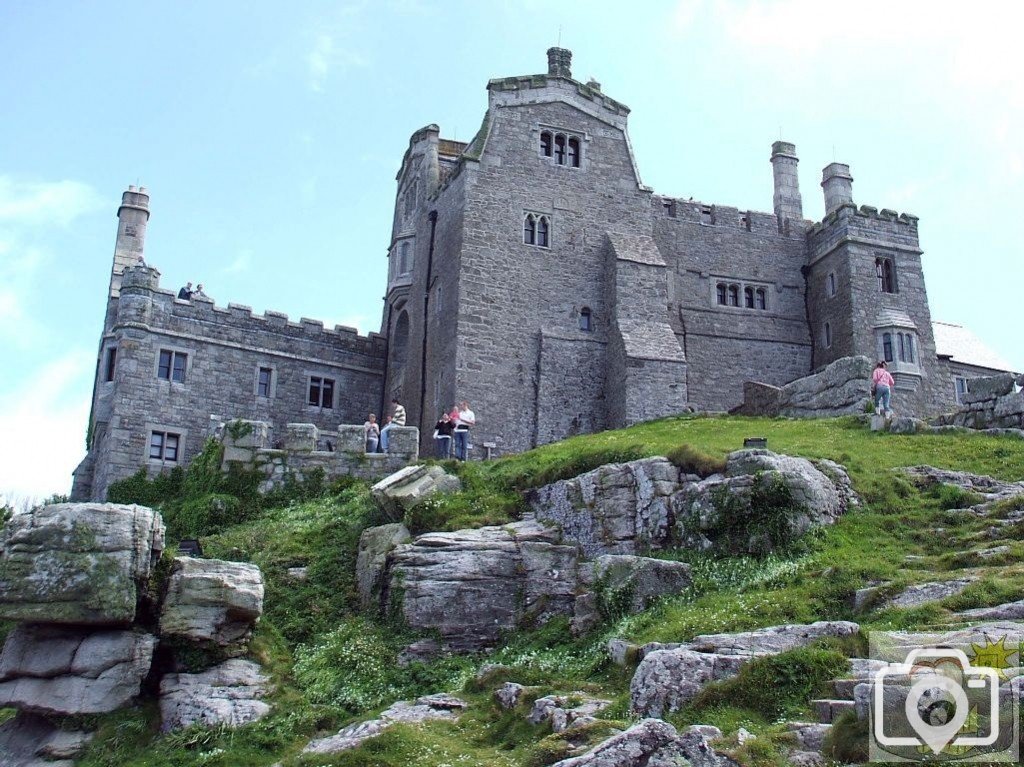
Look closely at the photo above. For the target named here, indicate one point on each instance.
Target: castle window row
(321, 392)
(901, 344)
(171, 366)
(561, 148)
(537, 230)
(737, 295)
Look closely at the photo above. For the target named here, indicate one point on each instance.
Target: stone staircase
(829, 709)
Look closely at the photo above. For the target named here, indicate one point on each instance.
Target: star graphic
(993, 655)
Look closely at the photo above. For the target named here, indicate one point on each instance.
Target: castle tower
(788, 204)
(132, 218)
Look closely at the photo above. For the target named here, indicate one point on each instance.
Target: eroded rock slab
(427, 708)
(77, 563)
(409, 487)
(65, 670)
(641, 579)
(229, 694)
(566, 711)
(652, 743)
(670, 676)
(614, 509)
(375, 544)
(28, 740)
(472, 585)
(210, 600)
(925, 593)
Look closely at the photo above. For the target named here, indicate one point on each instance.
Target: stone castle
(532, 273)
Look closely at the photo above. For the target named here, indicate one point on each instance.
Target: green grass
(332, 665)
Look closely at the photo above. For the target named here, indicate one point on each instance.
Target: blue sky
(269, 135)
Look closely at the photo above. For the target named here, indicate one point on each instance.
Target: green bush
(756, 523)
(777, 686)
(953, 496)
(693, 461)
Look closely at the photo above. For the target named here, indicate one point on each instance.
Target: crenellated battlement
(166, 308)
(705, 214)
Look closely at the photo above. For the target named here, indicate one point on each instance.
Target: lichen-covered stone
(70, 670)
(77, 563)
(640, 580)
(210, 600)
(375, 544)
(615, 509)
(409, 487)
(230, 694)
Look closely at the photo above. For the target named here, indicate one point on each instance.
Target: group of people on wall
(451, 432)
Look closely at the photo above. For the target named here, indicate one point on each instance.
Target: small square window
(321, 392)
(172, 366)
(163, 446)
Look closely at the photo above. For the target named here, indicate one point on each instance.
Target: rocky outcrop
(652, 743)
(615, 509)
(670, 676)
(566, 711)
(472, 585)
(627, 583)
(74, 575)
(926, 593)
(650, 504)
(743, 511)
(77, 563)
(66, 670)
(375, 544)
(841, 388)
(427, 708)
(230, 694)
(409, 487)
(27, 740)
(210, 600)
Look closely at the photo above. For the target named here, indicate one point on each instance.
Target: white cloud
(31, 203)
(240, 264)
(334, 49)
(43, 424)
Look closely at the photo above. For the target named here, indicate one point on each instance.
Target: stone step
(828, 710)
(844, 687)
(810, 736)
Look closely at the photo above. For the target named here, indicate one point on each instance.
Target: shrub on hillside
(693, 461)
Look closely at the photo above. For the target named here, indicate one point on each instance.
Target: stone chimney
(559, 62)
(788, 204)
(837, 183)
(132, 218)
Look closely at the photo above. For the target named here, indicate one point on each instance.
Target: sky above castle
(269, 135)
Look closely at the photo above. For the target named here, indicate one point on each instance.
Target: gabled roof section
(638, 248)
(963, 346)
(650, 340)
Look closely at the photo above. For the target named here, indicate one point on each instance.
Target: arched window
(720, 293)
(887, 347)
(828, 335)
(762, 298)
(574, 152)
(748, 297)
(542, 231)
(560, 148)
(545, 143)
(886, 274)
(734, 295)
(530, 230)
(586, 319)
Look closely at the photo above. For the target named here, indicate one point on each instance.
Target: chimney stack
(559, 62)
(788, 204)
(132, 218)
(837, 183)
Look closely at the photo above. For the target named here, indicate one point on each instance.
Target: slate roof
(962, 345)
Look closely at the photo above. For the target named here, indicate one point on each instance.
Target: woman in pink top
(882, 382)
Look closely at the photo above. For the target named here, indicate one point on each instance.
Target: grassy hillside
(333, 665)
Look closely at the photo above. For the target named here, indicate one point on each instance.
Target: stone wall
(306, 449)
(995, 402)
(224, 348)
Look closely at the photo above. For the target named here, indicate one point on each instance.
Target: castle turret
(837, 184)
(788, 204)
(132, 217)
(559, 62)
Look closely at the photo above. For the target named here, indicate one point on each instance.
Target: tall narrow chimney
(559, 62)
(837, 184)
(788, 204)
(132, 218)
